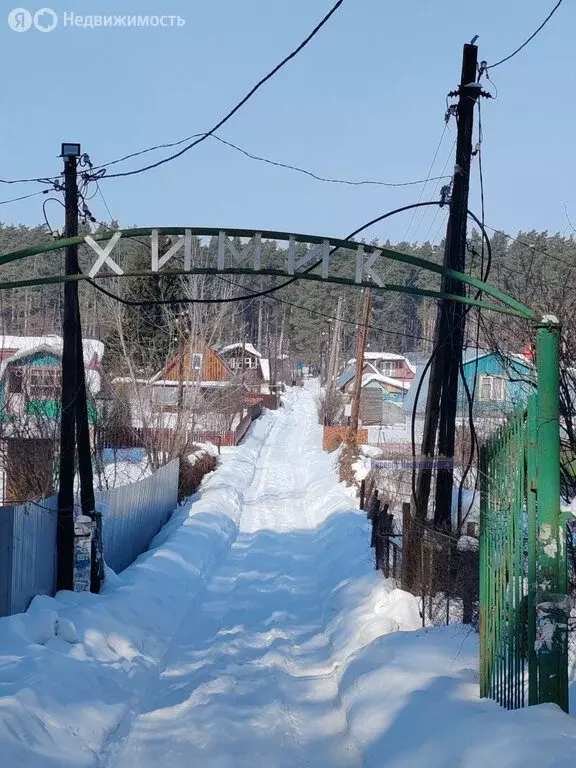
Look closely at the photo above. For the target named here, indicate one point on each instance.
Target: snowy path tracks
(247, 680)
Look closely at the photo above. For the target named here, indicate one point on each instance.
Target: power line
(530, 246)
(25, 197)
(240, 104)
(532, 36)
(427, 178)
(322, 178)
(41, 180)
(331, 317)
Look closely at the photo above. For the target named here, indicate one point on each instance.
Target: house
(391, 389)
(499, 385)
(31, 377)
(30, 393)
(245, 360)
(202, 372)
(389, 364)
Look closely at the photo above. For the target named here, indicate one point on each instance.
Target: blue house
(499, 385)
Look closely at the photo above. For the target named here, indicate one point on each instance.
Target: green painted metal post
(551, 605)
(485, 584)
(531, 487)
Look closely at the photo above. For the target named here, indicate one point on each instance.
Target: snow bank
(60, 698)
(294, 652)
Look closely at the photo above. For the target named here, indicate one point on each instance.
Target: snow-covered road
(257, 633)
(249, 679)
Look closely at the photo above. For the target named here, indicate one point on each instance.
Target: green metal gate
(523, 623)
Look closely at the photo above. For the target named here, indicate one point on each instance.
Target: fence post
(532, 489)
(362, 493)
(485, 619)
(551, 608)
(407, 554)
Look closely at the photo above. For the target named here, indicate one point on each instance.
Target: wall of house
(49, 408)
(388, 393)
(517, 392)
(213, 367)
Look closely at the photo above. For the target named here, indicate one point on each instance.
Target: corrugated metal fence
(132, 515)
(27, 553)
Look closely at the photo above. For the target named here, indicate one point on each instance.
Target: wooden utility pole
(335, 347)
(360, 349)
(449, 330)
(74, 427)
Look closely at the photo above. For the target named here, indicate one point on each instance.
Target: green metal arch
(508, 305)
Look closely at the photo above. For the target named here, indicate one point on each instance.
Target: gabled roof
(397, 383)
(250, 348)
(93, 349)
(385, 356)
(350, 372)
(93, 379)
(191, 349)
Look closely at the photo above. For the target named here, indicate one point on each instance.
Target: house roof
(250, 348)
(385, 356)
(198, 348)
(93, 349)
(53, 345)
(350, 372)
(397, 383)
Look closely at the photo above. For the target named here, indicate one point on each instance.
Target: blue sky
(365, 100)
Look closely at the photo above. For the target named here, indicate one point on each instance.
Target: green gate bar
(551, 602)
(523, 576)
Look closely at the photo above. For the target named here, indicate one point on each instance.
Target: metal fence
(133, 514)
(27, 553)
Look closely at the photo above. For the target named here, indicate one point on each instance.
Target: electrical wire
(25, 197)
(239, 105)
(323, 178)
(40, 180)
(427, 177)
(267, 292)
(333, 317)
(533, 248)
(532, 36)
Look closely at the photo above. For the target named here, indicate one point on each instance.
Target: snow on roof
(385, 356)
(265, 368)
(92, 347)
(93, 379)
(250, 348)
(188, 383)
(398, 383)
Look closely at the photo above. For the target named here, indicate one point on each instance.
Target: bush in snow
(192, 470)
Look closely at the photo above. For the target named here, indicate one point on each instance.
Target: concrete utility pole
(360, 349)
(442, 399)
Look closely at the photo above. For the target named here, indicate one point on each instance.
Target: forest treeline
(535, 267)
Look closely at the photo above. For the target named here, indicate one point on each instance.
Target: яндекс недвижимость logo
(21, 20)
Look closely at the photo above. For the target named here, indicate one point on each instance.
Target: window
(492, 388)
(472, 530)
(389, 367)
(196, 361)
(15, 380)
(249, 362)
(43, 383)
